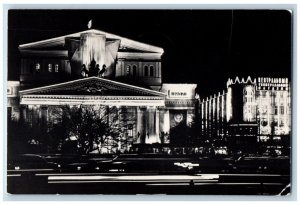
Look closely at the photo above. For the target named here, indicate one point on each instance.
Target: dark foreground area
(208, 184)
(148, 174)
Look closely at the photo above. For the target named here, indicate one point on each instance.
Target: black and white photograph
(149, 101)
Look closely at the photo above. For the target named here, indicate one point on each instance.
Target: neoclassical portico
(144, 104)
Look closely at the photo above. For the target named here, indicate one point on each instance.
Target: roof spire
(90, 24)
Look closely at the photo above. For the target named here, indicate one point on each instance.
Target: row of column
(34, 114)
(152, 123)
(149, 120)
(213, 115)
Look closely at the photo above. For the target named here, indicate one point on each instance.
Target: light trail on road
(135, 177)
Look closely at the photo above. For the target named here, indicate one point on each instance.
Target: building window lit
(146, 70)
(151, 70)
(281, 110)
(37, 67)
(50, 67)
(130, 130)
(281, 123)
(276, 110)
(281, 94)
(56, 68)
(128, 70)
(264, 138)
(134, 70)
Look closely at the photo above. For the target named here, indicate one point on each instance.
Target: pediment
(59, 42)
(92, 86)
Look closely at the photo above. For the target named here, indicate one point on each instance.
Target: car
(31, 163)
(213, 165)
(146, 163)
(274, 165)
(71, 163)
(84, 163)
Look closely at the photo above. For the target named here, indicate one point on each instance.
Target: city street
(133, 175)
(91, 183)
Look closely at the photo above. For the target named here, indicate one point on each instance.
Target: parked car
(213, 165)
(146, 163)
(31, 163)
(79, 163)
(279, 165)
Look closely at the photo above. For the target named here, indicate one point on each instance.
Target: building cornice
(182, 103)
(45, 53)
(144, 56)
(124, 42)
(91, 100)
(85, 97)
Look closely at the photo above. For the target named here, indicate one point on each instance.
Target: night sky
(201, 46)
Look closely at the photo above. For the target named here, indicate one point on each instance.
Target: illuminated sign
(177, 94)
(277, 82)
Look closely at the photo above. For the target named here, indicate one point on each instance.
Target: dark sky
(201, 46)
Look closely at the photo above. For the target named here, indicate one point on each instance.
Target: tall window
(56, 68)
(276, 110)
(146, 70)
(50, 67)
(37, 67)
(130, 130)
(151, 70)
(281, 94)
(282, 110)
(134, 70)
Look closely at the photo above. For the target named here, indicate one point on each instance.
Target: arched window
(134, 70)
(37, 67)
(128, 70)
(56, 68)
(50, 67)
(151, 70)
(145, 70)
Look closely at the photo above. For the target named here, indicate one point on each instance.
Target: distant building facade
(248, 111)
(100, 69)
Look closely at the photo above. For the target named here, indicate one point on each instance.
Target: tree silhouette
(93, 128)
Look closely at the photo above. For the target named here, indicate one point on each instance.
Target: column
(44, 115)
(165, 125)
(161, 123)
(206, 117)
(152, 132)
(35, 115)
(141, 124)
(23, 113)
(157, 125)
(150, 126)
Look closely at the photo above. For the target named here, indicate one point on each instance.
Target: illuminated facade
(249, 110)
(101, 69)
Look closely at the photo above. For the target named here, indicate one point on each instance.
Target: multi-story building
(248, 112)
(101, 69)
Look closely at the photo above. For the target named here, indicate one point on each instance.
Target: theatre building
(101, 69)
